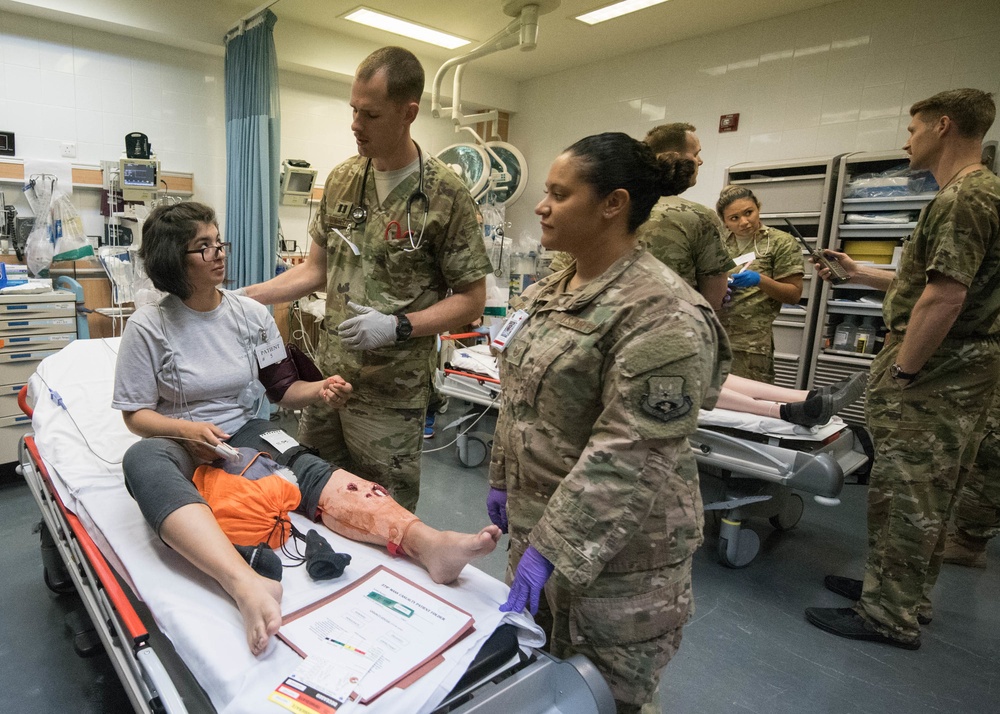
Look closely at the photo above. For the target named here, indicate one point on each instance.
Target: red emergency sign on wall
(729, 122)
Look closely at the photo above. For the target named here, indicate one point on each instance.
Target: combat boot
(960, 549)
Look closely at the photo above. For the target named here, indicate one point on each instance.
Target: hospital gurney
(752, 466)
(70, 465)
(471, 374)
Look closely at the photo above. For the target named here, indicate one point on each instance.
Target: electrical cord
(467, 430)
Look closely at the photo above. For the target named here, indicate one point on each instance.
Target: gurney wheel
(474, 452)
(790, 514)
(742, 552)
(60, 588)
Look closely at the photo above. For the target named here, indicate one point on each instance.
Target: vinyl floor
(747, 649)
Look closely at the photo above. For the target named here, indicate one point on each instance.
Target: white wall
(825, 81)
(61, 83)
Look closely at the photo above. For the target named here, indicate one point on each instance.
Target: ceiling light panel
(610, 12)
(398, 26)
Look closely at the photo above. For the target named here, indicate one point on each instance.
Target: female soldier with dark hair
(601, 388)
(771, 277)
(190, 371)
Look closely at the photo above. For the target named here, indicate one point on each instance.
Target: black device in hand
(837, 273)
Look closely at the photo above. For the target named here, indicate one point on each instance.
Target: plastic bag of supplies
(58, 234)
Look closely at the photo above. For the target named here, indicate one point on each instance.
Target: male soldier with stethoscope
(395, 231)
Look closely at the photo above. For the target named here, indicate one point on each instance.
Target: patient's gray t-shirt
(192, 365)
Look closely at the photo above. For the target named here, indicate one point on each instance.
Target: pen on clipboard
(391, 604)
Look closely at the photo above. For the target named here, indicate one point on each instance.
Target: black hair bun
(676, 172)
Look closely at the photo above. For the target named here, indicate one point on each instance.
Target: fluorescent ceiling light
(405, 28)
(610, 12)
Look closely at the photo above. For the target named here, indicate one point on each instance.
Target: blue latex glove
(529, 579)
(368, 330)
(745, 279)
(496, 507)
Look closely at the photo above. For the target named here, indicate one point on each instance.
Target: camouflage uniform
(601, 388)
(683, 235)
(380, 433)
(977, 514)
(749, 315)
(925, 433)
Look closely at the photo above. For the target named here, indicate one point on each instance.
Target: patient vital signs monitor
(139, 178)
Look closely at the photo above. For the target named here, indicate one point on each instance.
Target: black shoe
(851, 589)
(845, 622)
(846, 587)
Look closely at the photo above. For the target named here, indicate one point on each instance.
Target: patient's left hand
(336, 391)
(532, 572)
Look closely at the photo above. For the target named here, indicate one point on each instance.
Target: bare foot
(445, 553)
(258, 599)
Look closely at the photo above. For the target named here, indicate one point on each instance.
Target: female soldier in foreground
(601, 388)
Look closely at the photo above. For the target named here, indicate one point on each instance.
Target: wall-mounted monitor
(139, 178)
(296, 185)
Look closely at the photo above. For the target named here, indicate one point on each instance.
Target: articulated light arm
(522, 31)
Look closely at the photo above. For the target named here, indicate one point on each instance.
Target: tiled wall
(825, 81)
(60, 83)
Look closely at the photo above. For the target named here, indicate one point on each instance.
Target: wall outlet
(68, 149)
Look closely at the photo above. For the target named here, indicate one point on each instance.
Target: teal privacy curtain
(252, 151)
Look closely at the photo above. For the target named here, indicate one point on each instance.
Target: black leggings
(159, 473)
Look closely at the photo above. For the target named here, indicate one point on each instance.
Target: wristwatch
(403, 327)
(896, 372)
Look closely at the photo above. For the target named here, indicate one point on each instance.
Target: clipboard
(399, 609)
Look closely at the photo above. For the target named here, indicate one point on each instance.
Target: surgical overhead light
(494, 170)
(470, 163)
(610, 12)
(399, 26)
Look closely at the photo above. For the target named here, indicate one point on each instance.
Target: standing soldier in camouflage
(931, 386)
(683, 234)
(977, 514)
(391, 236)
(771, 277)
(601, 387)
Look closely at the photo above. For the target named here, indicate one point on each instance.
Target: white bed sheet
(82, 446)
(767, 425)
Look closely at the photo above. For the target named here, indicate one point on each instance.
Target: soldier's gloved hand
(745, 279)
(368, 329)
(496, 507)
(728, 297)
(529, 579)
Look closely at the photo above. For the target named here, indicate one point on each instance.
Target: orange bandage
(361, 510)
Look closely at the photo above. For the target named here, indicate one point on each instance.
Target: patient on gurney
(806, 408)
(191, 371)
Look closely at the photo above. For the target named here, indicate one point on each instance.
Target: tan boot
(963, 550)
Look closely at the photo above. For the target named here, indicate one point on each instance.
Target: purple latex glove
(745, 279)
(728, 297)
(529, 579)
(496, 507)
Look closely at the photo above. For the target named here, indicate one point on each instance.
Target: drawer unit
(32, 327)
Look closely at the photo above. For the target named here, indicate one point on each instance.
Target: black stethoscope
(359, 212)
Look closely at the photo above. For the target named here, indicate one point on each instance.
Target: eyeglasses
(211, 252)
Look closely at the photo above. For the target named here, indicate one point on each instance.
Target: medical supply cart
(877, 205)
(801, 191)
(32, 327)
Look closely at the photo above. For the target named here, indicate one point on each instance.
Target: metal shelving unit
(801, 190)
(838, 302)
